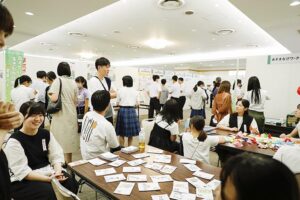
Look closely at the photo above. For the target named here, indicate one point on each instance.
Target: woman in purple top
(83, 95)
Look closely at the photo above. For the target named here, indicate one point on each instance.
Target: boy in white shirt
(98, 134)
(289, 155)
(154, 93)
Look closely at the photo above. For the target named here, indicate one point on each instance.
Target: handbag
(54, 107)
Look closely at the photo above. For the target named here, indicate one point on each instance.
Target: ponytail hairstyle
(254, 85)
(246, 104)
(22, 79)
(198, 123)
(199, 83)
(81, 79)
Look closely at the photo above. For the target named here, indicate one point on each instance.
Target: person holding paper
(240, 120)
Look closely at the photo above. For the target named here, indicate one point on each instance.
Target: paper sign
(102, 172)
(131, 169)
(181, 186)
(192, 167)
(161, 178)
(117, 163)
(162, 158)
(203, 175)
(187, 161)
(154, 166)
(78, 162)
(109, 156)
(137, 162)
(136, 178)
(124, 188)
(140, 155)
(143, 187)
(97, 162)
(160, 197)
(114, 178)
(196, 182)
(213, 184)
(168, 169)
(156, 151)
(204, 193)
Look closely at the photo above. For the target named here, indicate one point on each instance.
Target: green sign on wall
(13, 69)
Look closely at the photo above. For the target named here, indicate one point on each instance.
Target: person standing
(182, 97)
(64, 123)
(50, 77)
(164, 93)
(102, 82)
(198, 97)
(175, 89)
(83, 95)
(154, 91)
(257, 98)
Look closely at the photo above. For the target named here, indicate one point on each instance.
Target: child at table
(296, 129)
(196, 143)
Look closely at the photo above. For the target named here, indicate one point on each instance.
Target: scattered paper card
(160, 197)
(180, 196)
(213, 184)
(117, 163)
(161, 178)
(102, 172)
(140, 155)
(204, 193)
(143, 187)
(180, 186)
(168, 169)
(129, 149)
(154, 166)
(156, 151)
(124, 188)
(192, 167)
(114, 178)
(131, 169)
(162, 158)
(196, 182)
(97, 161)
(136, 162)
(136, 178)
(78, 162)
(203, 175)
(187, 161)
(109, 156)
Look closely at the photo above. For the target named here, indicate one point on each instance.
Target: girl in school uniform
(198, 97)
(240, 120)
(165, 130)
(196, 144)
(34, 158)
(83, 95)
(127, 121)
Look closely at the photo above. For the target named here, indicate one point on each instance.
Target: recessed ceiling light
(158, 43)
(228, 45)
(223, 32)
(194, 30)
(15, 26)
(133, 46)
(189, 12)
(170, 4)
(252, 45)
(29, 13)
(213, 38)
(47, 44)
(112, 46)
(86, 55)
(77, 34)
(216, 5)
(295, 3)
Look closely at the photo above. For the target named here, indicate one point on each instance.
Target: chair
(298, 181)
(61, 192)
(148, 124)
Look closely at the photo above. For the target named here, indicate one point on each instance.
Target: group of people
(33, 156)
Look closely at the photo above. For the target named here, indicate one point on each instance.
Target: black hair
(238, 81)
(63, 69)
(100, 100)
(198, 123)
(6, 21)
(245, 103)
(51, 76)
(298, 106)
(163, 81)
(81, 79)
(250, 174)
(218, 79)
(127, 81)
(30, 108)
(101, 62)
(254, 85)
(41, 74)
(181, 79)
(170, 111)
(22, 79)
(155, 77)
(174, 78)
(199, 83)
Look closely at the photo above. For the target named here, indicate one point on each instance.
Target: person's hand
(283, 135)
(9, 118)
(60, 177)
(234, 129)
(254, 130)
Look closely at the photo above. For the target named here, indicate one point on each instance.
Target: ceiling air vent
(77, 34)
(224, 32)
(170, 4)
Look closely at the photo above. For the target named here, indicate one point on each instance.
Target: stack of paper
(143, 187)
(161, 178)
(187, 161)
(160, 197)
(192, 167)
(114, 178)
(109, 156)
(168, 169)
(204, 193)
(124, 188)
(102, 172)
(137, 162)
(129, 149)
(117, 163)
(196, 182)
(156, 151)
(78, 162)
(162, 158)
(203, 175)
(136, 178)
(154, 166)
(140, 155)
(131, 169)
(97, 161)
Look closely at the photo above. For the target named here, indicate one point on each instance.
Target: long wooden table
(86, 172)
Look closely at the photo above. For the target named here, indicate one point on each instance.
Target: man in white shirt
(97, 134)
(182, 97)
(175, 89)
(102, 82)
(154, 94)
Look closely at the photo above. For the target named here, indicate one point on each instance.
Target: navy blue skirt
(128, 124)
(198, 112)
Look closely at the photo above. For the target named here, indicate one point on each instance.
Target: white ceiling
(136, 21)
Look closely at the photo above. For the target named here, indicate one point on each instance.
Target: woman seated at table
(296, 130)
(196, 144)
(165, 130)
(240, 120)
(34, 158)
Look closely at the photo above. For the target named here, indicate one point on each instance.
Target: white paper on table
(124, 188)
(140, 155)
(117, 163)
(137, 177)
(187, 161)
(108, 156)
(213, 184)
(161, 178)
(129, 149)
(160, 197)
(136, 162)
(78, 162)
(162, 158)
(196, 182)
(203, 175)
(131, 169)
(180, 186)
(101, 172)
(192, 167)
(181, 196)
(97, 161)
(204, 193)
(114, 178)
(143, 187)
(156, 151)
(154, 166)
(168, 169)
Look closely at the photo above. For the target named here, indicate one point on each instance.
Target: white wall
(280, 80)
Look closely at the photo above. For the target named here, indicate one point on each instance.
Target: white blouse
(127, 96)
(197, 99)
(225, 122)
(173, 128)
(260, 107)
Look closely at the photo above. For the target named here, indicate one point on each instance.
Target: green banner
(13, 69)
